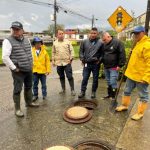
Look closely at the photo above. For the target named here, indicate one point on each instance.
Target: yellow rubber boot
(125, 103)
(142, 106)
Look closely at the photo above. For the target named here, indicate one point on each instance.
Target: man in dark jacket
(113, 59)
(16, 54)
(90, 55)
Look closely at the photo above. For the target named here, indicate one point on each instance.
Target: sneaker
(35, 98)
(73, 93)
(81, 95)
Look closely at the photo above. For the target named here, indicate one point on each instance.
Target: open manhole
(89, 104)
(92, 145)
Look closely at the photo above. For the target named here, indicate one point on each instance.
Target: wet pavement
(44, 126)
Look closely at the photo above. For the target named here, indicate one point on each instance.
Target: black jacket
(114, 54)
(91, 51)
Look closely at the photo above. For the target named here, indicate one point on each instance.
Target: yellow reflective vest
(139, 65)
(41, 62)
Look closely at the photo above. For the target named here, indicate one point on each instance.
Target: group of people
(31, 66)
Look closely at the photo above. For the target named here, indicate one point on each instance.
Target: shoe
(44, 97)
(109, 89)
(93, 95)
(62, 92)
(125, 104)
(81, 95)
(121, 108)
(142, 106)
(35, 98)
(73, 93)
(32, 105)
(19, 113)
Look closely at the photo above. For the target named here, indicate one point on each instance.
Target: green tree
(50, 29)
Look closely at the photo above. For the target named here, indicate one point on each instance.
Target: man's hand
(16, 70)
(53, 64)
(47, 73)
(118, 68)
(144, 82)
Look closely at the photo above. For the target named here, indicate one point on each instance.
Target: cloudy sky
(37, 18)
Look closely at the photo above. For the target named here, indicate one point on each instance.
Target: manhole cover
(60, 148)
(89, 104)
(92, 145)
(77, 114)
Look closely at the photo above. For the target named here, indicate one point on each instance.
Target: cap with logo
(17, 25)
(138, 29)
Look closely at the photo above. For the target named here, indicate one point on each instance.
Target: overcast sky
(37, 18)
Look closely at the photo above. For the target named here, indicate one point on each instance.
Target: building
(74, 35)
(140, 20)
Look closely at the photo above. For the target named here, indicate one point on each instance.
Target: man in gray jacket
(16, 54)
(90, 55)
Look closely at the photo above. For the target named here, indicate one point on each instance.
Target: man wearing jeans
(90, 55)
(62, 57)
(113, 59)
(16, 54)
(138, 73)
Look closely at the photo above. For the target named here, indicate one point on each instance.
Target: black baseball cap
(17, 25)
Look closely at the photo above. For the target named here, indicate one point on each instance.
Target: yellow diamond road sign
(119, 19)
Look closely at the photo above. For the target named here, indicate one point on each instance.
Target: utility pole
(147, 17)
(92, 21)
(55, 17)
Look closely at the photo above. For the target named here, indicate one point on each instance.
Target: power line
(59, 7)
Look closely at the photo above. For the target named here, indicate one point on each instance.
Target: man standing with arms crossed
(17, 55)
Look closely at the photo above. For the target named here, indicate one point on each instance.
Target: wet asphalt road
(44, 126)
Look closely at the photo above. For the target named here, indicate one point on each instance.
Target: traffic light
(119, 18)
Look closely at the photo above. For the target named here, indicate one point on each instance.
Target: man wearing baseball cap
(138, 73)
(17, 55)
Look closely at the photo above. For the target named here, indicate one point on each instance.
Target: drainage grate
(93, 145)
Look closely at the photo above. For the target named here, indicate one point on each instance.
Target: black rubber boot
(93, 95)
(109, 92)
(18, 111)
(113, 93)
(71, 83)
(63, 86)
(81, 95)
(28, 98)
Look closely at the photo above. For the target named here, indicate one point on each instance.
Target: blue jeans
(42, 78)
(111, 77)
(94, 68)
(142, 89)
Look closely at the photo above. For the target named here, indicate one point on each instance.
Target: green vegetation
(76, 51)
(0, 55)
(49, 50)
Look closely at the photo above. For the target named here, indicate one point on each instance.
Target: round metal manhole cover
(77, 114)
(60, 148)
(89, 104)
(92, 145)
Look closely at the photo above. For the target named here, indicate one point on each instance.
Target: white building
(140, 20)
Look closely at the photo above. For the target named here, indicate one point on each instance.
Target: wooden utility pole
(92, 21)
(147, 17)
